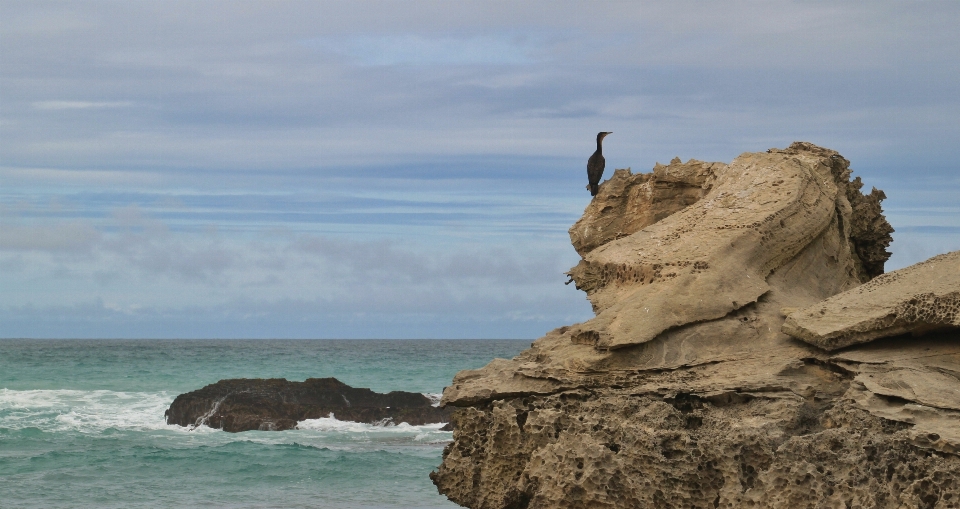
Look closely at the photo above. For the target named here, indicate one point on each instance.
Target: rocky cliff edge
(686, 389)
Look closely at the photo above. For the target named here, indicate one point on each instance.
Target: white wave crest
(331, 423)
(434, 397)
(83, 411)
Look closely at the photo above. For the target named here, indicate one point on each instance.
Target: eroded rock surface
(715, 256)
(629, 202)
(915, 299)
(683, 391)
(277, 404)
(616, 448)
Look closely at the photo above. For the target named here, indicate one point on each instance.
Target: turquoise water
(81, 424)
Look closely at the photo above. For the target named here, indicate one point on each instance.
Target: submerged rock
(277, 404)
(916, 300)
(683, 391)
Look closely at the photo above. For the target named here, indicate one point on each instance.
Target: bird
(596, 164)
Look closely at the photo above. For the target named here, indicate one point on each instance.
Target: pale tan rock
(717, 412)
(825, 266)
(801, 439)
(715, 255)
(916, 299)
(629, 202)
(915, 382)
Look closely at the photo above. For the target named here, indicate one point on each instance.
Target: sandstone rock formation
(631, 202)
(276, 404)
(916, 300)
(683, 391)
(705, 261)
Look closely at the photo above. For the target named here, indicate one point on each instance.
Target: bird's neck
(599, 144)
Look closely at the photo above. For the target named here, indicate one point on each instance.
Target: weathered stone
(869, 230)
(628, 203)
(661, 401)
(615, 448)
(276, 404)
(916, 299)
(716, 255)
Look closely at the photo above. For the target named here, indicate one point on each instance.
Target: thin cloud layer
(131, 273)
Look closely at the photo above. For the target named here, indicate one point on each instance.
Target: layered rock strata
(916, 300)
(683, 391)
(704, 261)
(276, 404)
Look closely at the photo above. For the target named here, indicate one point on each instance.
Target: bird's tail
(594, 188)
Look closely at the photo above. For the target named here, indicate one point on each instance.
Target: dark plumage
(595, 165)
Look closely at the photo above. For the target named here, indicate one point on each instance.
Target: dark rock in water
(276, 404)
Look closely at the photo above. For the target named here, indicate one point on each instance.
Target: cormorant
(595, 165)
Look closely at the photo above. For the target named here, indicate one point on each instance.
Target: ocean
(82, 425)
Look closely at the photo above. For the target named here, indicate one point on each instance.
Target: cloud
(412, 49)
(11, 176)
(402, 164)
(914, 245)
(64, 237)
(338, 275)
(294, 319)
(80, 105)
(476, 78)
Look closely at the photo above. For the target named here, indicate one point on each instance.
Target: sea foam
(331, 423)
(83, 411)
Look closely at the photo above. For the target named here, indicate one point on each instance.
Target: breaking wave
(425, 433)
(83, 411)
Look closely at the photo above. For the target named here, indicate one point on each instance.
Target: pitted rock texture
(275, 404)
(716, 253)
(613, 449)
(869, 230)
(664, 401)
(915, 299)
(628, 203)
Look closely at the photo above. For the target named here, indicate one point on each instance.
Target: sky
(391, 169)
